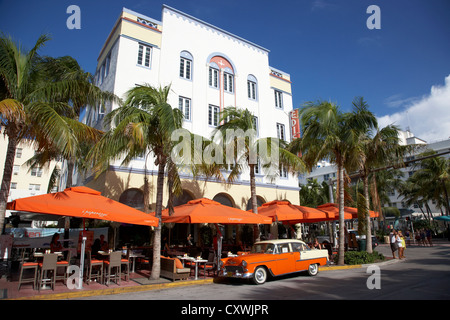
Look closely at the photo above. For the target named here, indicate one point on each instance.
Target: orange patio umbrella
(282, 211)
(311, 215)
(354, 212)
(349, 212)
(82, 202)
(208, 211)
(333, 208)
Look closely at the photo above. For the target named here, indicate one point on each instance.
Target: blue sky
(402, 69)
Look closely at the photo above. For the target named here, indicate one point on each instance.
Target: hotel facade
(208, 70)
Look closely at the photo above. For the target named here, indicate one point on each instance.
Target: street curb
(118, 290)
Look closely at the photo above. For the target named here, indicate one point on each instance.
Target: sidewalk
(139, 282)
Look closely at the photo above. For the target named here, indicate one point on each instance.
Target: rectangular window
(184, 104)
(255, 124)
(280, 131)
(34, 187)
(19, 153)
(185, 68)
(251, 90)
(283, 172)
(213, 78)
(13, 185)
(16, 170)
(36, 172)
(278, 99)
(107, 64)
(213, 116)
(228, 82)
(144, 55)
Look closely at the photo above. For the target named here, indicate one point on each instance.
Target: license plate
(229, 274)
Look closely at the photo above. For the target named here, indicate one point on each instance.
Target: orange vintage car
(274, 258)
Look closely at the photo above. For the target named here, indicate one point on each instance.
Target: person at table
(189, 240)
(103, 244)
(55, 245)
(164, 246)
(95, 248)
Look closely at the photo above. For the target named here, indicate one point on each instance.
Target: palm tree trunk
(254, 200)
(341, 214)
(156, 268)
(369, 229)
(447, 203)
(7, 176)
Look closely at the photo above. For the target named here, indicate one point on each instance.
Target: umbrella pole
(83, 247)
(219, 247)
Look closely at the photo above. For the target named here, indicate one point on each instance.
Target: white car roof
(277, 241)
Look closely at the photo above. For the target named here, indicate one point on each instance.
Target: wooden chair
(48, 265)
(63, 264)
(209, 266)
(113, 265)
(125, 262)
(93, 264)
(27, 265)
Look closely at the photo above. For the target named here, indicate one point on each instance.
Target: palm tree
(372, 152)
(30, 108)
(433, 179)
(313, 194)
(330, 133)
(144, 124)
(242, 121)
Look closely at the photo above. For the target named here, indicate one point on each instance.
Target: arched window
(186, 65)
(217, 65)
(252, 85)
(259, 200)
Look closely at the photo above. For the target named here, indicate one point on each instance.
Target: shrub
(361, 257)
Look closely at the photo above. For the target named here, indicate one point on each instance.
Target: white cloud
(427, 117)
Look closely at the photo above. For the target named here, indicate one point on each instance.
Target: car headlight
(244, 263)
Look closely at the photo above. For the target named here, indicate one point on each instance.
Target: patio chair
(125, 262)
(27, 265)
(92, 265)
(112, 268)
(209, 266)
(48, 265)
(63, 264)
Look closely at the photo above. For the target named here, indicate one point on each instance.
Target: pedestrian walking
(428, 235)
(393, 242)
(400, 244)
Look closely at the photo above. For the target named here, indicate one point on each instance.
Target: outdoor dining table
(133, 255)
(196, 262)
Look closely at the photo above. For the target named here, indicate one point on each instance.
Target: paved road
(424, 274)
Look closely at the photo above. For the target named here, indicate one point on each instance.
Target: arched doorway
(133, 197)
(260, 200)
(224, 199)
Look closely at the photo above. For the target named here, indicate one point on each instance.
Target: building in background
(326, 171)
(25, 181)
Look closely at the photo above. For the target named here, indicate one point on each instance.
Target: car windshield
(263, 248)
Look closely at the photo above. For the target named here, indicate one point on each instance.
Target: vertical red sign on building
(295, 125)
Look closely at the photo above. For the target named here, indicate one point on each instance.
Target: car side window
(296, 247)
(283, 248)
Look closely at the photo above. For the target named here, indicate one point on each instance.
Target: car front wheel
(260, 275)
(313, 269)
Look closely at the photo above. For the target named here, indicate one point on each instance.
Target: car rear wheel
(313, 269)
(260, 275)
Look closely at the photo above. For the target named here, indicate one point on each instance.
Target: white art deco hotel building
(208, 69)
